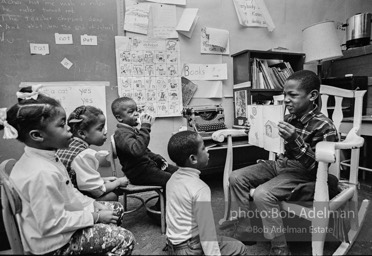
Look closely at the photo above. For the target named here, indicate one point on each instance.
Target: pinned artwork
(148, 71)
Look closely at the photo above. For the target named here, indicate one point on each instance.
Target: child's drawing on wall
(240, 103)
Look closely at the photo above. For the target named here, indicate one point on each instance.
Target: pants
(100, 239)
(274, 182)
(228, 246)
(153, 175)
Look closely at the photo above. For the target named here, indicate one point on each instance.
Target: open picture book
(263, 120)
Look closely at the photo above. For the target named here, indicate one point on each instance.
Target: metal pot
(358, 30)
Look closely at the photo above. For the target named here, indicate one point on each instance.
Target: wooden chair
(327, 153)
(131, 190)
(12, 207)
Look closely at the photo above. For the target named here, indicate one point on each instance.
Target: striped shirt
(311, 128)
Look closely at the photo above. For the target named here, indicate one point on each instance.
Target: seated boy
(190, 224)
(273, 181)
(140, 165)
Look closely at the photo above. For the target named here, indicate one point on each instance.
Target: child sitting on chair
(140, 165)
(270, 181)
(56, 218)
(88, 128)
(190, 223)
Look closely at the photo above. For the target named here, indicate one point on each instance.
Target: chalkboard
(25, 22)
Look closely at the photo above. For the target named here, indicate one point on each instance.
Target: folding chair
(12, 206)
(131, 190)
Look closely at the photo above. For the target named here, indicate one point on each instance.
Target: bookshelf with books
(266, 72)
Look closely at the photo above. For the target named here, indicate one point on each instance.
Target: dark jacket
(132, 150)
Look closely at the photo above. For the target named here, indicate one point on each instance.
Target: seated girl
(88, 128)
(56, 218)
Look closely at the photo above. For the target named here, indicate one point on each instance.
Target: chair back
(12, 206)
(337, 116)
(113, 155)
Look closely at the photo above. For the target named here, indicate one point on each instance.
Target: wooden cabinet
(349, 83)
(243, 62)
(356, 62)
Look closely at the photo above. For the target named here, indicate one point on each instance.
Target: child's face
(96, 134)
(296, 99)
(202, 156)
(57, 133)
(128, 113)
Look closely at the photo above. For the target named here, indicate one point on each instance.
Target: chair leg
(162, 210)
(125, 202)
(353, 207)
(226, 174)
(353, 234)
(319, 225)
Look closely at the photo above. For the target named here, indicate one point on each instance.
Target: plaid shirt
(66, 156)
(311, 128)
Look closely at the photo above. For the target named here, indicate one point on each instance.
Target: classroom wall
(289, 16)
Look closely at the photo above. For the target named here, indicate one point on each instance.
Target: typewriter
(204, 119)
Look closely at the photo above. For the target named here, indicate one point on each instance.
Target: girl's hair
(181, 145)
(31, 114)
(82, 118)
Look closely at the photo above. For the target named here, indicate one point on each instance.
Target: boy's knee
(262, 194)
(234, 179)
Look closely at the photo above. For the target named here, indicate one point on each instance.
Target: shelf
(266, 90)
(242, 72)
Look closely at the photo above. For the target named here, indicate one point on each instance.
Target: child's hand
(100, 207)
(287, 131)
(107, 217)
(109, 179)
(147, 119)
(164, 165)
(123, 181)
(247, 127)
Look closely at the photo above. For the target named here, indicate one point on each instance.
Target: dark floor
(151, 242)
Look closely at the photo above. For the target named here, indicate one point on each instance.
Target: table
(244, 154)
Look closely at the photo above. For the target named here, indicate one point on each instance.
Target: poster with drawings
(148, 71)
(264, 132)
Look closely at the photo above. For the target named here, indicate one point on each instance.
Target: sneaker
(280, 251)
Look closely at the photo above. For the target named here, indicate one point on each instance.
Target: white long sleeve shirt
(88, 179)
(52, 209)
(189, 211)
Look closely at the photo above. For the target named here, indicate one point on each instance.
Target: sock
(279, 242)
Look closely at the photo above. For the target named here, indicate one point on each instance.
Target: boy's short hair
(308, 79)
(181, 145)
(115, 105)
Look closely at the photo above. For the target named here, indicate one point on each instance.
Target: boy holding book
(268, 182)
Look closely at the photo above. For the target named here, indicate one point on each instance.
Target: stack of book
(270, 74)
